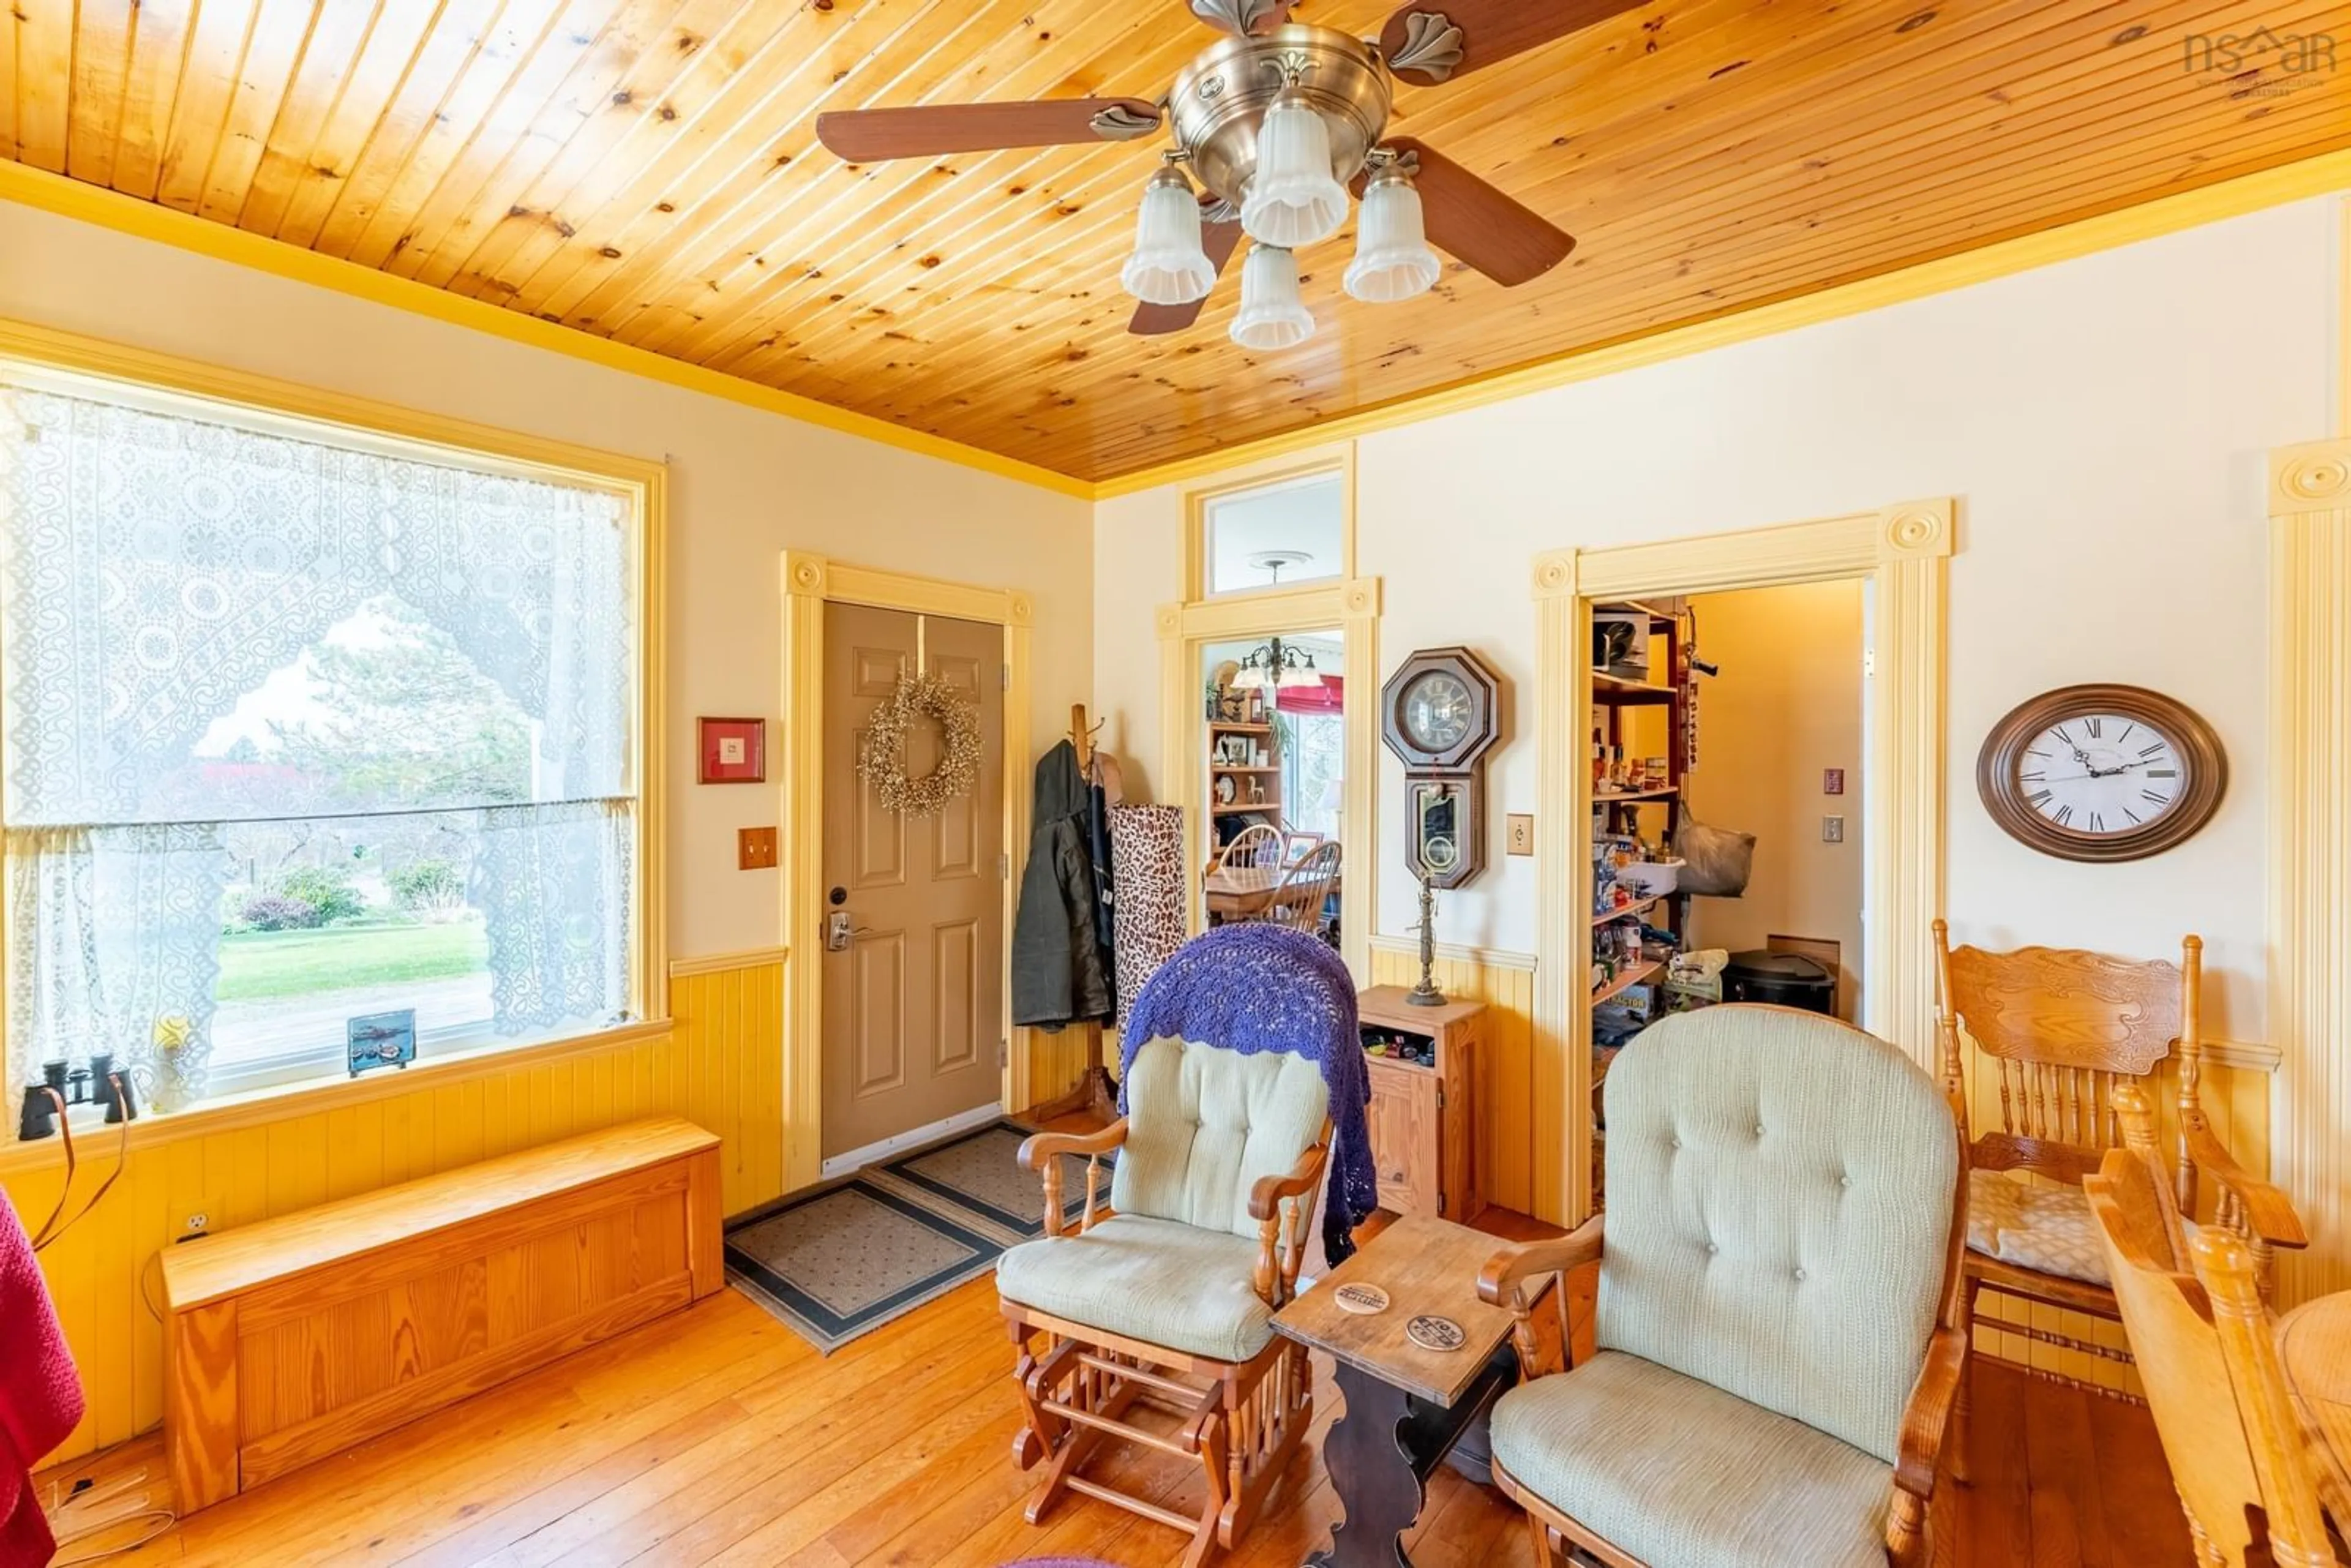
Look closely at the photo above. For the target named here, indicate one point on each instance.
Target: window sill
(261, 1106)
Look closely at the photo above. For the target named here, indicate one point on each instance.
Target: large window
(301, 727)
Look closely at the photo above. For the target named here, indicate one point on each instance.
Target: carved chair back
(2208, 1357)
(2065, 1030)
(1258, 847)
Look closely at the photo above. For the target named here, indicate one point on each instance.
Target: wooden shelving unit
(1265, 776)
(1654, 811)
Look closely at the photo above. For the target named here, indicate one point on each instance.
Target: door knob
(840, 927)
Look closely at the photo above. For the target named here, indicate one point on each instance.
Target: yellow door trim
(809, 582)
(1903, 552)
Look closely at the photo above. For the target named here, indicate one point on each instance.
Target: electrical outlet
(1523, 833)
(1832, 829)
(195, 1222)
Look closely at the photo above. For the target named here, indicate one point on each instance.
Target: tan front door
(914, 996)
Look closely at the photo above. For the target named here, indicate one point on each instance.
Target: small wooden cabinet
(1425, 1119)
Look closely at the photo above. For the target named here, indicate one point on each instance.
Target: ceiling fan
(1279, 121)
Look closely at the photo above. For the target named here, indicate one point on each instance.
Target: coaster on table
(1435, 1334)
(1361, 1299)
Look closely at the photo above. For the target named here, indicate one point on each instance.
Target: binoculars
(64, 1084)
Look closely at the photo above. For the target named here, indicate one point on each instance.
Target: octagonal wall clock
(1441, 714)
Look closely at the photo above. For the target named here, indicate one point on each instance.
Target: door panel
(954, 995)
(914, 1005)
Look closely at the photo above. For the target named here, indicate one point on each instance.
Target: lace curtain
(154, 569)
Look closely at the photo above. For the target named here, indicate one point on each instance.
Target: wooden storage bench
(296, 1338)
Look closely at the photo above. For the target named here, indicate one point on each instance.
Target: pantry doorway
(1897, 561)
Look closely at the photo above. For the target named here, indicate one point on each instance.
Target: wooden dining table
(1242, 892)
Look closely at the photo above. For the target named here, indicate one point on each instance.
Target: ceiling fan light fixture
(1293, 199)
(1272, 316)
(1169, 266)
(1393, 258)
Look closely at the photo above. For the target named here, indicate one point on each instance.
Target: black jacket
(1061, 968)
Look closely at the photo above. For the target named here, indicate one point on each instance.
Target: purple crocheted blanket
(1255, 987)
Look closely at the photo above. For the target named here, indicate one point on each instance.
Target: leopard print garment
(1146, 861)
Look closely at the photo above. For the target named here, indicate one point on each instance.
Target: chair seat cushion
(2039, 1226)
(1680, 1474)
(1157, 1281)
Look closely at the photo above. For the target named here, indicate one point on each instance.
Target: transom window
(303, 727)
(1279, 535)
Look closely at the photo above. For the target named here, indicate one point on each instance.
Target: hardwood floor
(719, 1437)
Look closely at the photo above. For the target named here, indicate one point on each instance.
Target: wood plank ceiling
(647, 169)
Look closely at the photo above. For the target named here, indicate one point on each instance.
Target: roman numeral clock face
(2098, 773)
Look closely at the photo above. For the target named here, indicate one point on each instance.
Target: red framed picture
(734, 750)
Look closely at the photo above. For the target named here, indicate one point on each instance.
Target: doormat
(981, 1172)
(842, 1261)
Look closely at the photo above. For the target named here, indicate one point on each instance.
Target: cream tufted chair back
(1779, 1193)
(1204, 1124)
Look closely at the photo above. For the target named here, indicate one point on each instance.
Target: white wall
(2104, 423)
(746, 486)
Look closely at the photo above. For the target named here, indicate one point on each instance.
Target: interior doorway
(1273, 788)
(913, 955)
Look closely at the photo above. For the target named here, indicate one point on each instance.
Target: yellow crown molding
(2308, 177)
(31, 187)
(2125, 225)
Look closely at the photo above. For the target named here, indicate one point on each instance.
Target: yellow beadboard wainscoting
(1505, 982)
(2236, 1096)
(718, 1065)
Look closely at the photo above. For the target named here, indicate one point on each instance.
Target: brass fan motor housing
(1219, 102)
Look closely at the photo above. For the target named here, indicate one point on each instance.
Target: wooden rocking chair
(1164, 1304)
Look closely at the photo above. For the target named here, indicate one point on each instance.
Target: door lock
(840, 927)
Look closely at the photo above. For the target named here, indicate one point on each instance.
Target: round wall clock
(2101, 773)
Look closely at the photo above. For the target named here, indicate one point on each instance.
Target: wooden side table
(2314, 1346)
(1406, 1407)
(1426, 1120)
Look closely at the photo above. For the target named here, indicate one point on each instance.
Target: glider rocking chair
(1164, 1302)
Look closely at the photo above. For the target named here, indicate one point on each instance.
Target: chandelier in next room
(1275, 127)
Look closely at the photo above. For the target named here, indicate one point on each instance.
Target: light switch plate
(756, 849)
(1832, 780)
(1832, 829)
(1521, 832)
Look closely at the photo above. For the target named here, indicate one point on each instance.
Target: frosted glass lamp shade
(1293, 199)
(1271, 316)
(1168, 267)
(1392, 260)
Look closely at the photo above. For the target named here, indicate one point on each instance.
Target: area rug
(842, 1261)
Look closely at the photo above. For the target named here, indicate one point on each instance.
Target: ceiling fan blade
(1249, 19)
(1219, 240)
(1502, 239)
(1436, 40)
(933, 131)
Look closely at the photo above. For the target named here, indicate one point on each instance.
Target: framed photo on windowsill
(734, 750)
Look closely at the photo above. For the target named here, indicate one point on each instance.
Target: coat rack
(1096, 1092)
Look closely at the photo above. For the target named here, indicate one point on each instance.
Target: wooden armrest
(1042, 1148)
(1919, 1445)
(2268, 1211)
(1266, 1196)
(1498, 1280)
